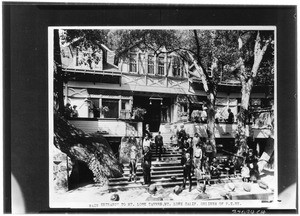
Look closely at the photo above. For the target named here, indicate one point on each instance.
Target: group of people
(198, 159)
(70, 111)
(146, 156)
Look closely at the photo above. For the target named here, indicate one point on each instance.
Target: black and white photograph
(152, 108)
(163, 117)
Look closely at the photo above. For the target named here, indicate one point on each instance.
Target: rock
(202, 196)
(263, 185)
(152, 189)
(160, 189)
(115, 197)
(229, 187)
(177, 189)
(225, 195)
(201, 188)
(247, 187)
(154, 198)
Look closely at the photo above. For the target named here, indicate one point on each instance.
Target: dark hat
(115, 197)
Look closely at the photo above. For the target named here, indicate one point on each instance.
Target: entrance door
(153, 115)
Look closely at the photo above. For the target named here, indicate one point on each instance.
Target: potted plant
(138, 113)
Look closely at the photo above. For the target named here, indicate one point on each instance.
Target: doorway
(153, 115)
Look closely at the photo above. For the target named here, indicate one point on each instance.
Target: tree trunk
(92, 149)
(211, 120)
(58, 76)
(241, 138)
(247, 84)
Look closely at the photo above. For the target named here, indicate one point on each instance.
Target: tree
(255, 50)
(58, 76)
(205, 50)
(92, 149)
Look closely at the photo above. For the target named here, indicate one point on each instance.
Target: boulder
(115, 197)
(177, 189)
(247, 187)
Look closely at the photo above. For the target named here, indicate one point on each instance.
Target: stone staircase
(161, 172)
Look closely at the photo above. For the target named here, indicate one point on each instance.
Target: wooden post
(120, 107)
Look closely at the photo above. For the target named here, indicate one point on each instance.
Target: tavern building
(107, 96)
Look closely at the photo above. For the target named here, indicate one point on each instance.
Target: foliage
(138, 113)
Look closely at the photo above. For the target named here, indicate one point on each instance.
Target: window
(161, 66)
(176, 67)
(94, 107)
(113, 108)
(150, 64)
(125, 109)
(132, 63)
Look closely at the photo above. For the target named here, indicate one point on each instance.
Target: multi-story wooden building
(106, 94)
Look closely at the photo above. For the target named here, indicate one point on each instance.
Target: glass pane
(150, 64)
(113, 108)
(161, 65)
(132, 63)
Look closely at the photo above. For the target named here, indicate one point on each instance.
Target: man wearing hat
(187, 164)
(147, 165)
(181, 136)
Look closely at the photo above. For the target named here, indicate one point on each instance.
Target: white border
(245, 203)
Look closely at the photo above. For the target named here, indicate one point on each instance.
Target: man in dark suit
(187, 164)
(159, 144)
(147, 165)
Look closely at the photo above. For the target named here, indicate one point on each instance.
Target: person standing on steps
(159, 144)
(198, 156)
(187, 165)
(181, 136)
(132, 163)
(146, 165)
(146, 141)
(195, 141)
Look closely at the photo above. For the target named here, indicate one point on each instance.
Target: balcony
(222, 130)
(109, 127)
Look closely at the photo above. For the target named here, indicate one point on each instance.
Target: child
(198, 156)
(245, 172)
(132, 163)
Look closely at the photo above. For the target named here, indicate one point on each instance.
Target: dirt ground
(94, 193)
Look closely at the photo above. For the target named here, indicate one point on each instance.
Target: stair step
(157, 163)
(154, 173)
(178, 179)
(165, 184)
